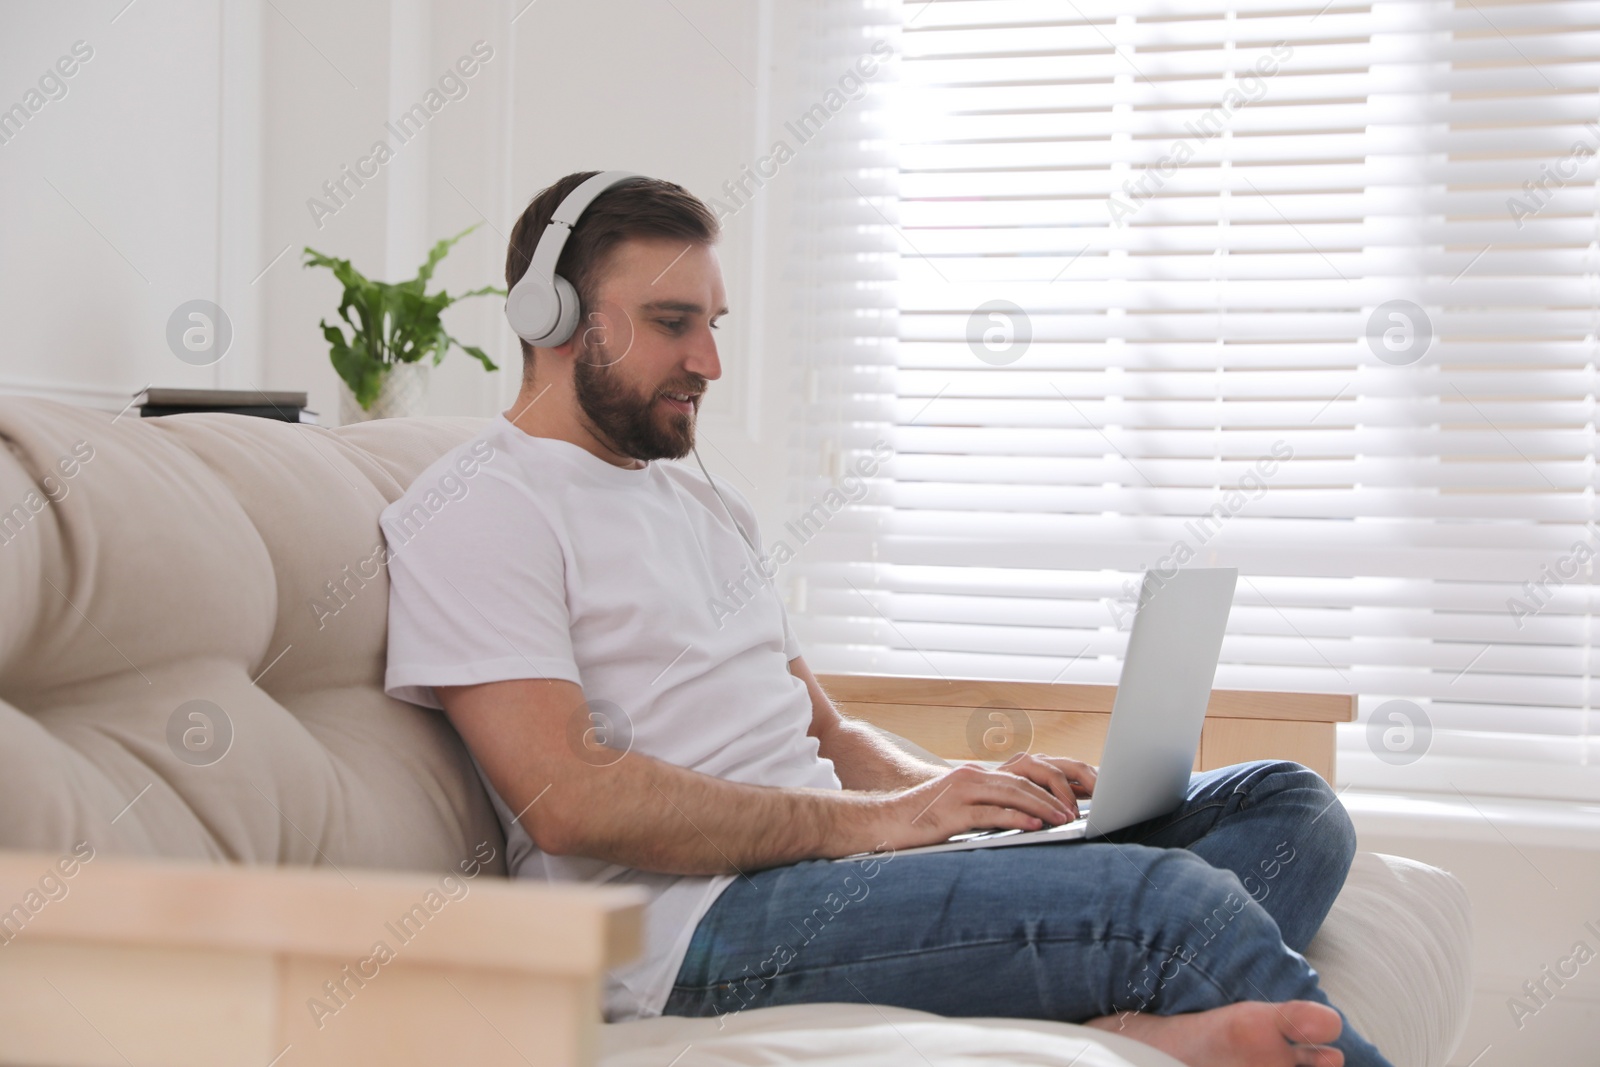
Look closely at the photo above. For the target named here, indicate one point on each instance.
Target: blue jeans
(1210, 905)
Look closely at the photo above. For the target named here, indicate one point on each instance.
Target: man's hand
(1066, 779)
(1025, 793)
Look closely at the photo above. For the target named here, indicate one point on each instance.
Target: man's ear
(566, 350)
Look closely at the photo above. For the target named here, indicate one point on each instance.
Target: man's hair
(639, 207)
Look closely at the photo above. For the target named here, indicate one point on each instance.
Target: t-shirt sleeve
(477, 593)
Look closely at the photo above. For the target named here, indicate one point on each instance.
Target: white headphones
(543, 307)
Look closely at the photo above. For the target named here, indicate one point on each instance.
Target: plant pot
(404, 392)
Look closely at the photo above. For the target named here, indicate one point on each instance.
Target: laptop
(1156, 718)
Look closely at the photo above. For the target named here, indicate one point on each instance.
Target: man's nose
(703, 359)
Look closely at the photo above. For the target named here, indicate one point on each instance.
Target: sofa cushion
(866, 1035)
(1395, 953)
(225, 567)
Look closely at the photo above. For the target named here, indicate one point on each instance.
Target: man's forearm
(646, 813)
(864, 760)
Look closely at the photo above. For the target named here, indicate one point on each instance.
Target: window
(1307, 290)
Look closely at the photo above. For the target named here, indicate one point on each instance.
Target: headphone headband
(543, 306)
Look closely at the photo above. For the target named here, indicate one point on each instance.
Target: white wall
(186, 150)
(110, 197)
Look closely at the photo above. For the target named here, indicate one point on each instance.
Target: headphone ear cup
(532, 309)
(566, 317)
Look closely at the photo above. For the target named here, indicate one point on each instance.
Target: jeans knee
(1287, 774)
(1326, 828)
(1207, 914)
(1192, 893)
(1339, 837)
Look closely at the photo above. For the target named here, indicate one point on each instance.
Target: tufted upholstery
(145, 564)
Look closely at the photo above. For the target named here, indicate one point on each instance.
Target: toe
(1306, 1056)
(1305, 1022)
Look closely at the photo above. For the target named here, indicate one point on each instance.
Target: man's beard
(625, 420)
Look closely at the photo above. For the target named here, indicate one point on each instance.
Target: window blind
(841, 274)
(1306, 289)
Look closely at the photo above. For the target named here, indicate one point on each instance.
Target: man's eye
(671, 324)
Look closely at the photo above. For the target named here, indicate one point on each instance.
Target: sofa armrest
(966, 718)
(150, 961)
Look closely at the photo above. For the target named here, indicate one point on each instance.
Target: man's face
(646, 351)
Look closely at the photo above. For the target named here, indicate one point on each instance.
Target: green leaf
(476, 353)
(361, 374)
(391, 323)
(487, 290)
(438, 252)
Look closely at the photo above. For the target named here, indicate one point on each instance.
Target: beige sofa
(223, 844)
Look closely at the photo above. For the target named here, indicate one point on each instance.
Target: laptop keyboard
(984, 835)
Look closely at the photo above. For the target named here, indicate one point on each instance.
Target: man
(557, 610)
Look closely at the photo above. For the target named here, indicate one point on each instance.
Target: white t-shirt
(515, 556)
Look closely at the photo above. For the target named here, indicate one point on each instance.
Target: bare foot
(1247, 1034)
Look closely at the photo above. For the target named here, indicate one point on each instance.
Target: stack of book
(283, 406)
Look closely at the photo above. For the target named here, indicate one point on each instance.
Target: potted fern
(394, 328)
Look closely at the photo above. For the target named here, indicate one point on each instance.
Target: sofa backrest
(192, 645)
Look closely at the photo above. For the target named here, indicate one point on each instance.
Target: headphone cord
(725, 507)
